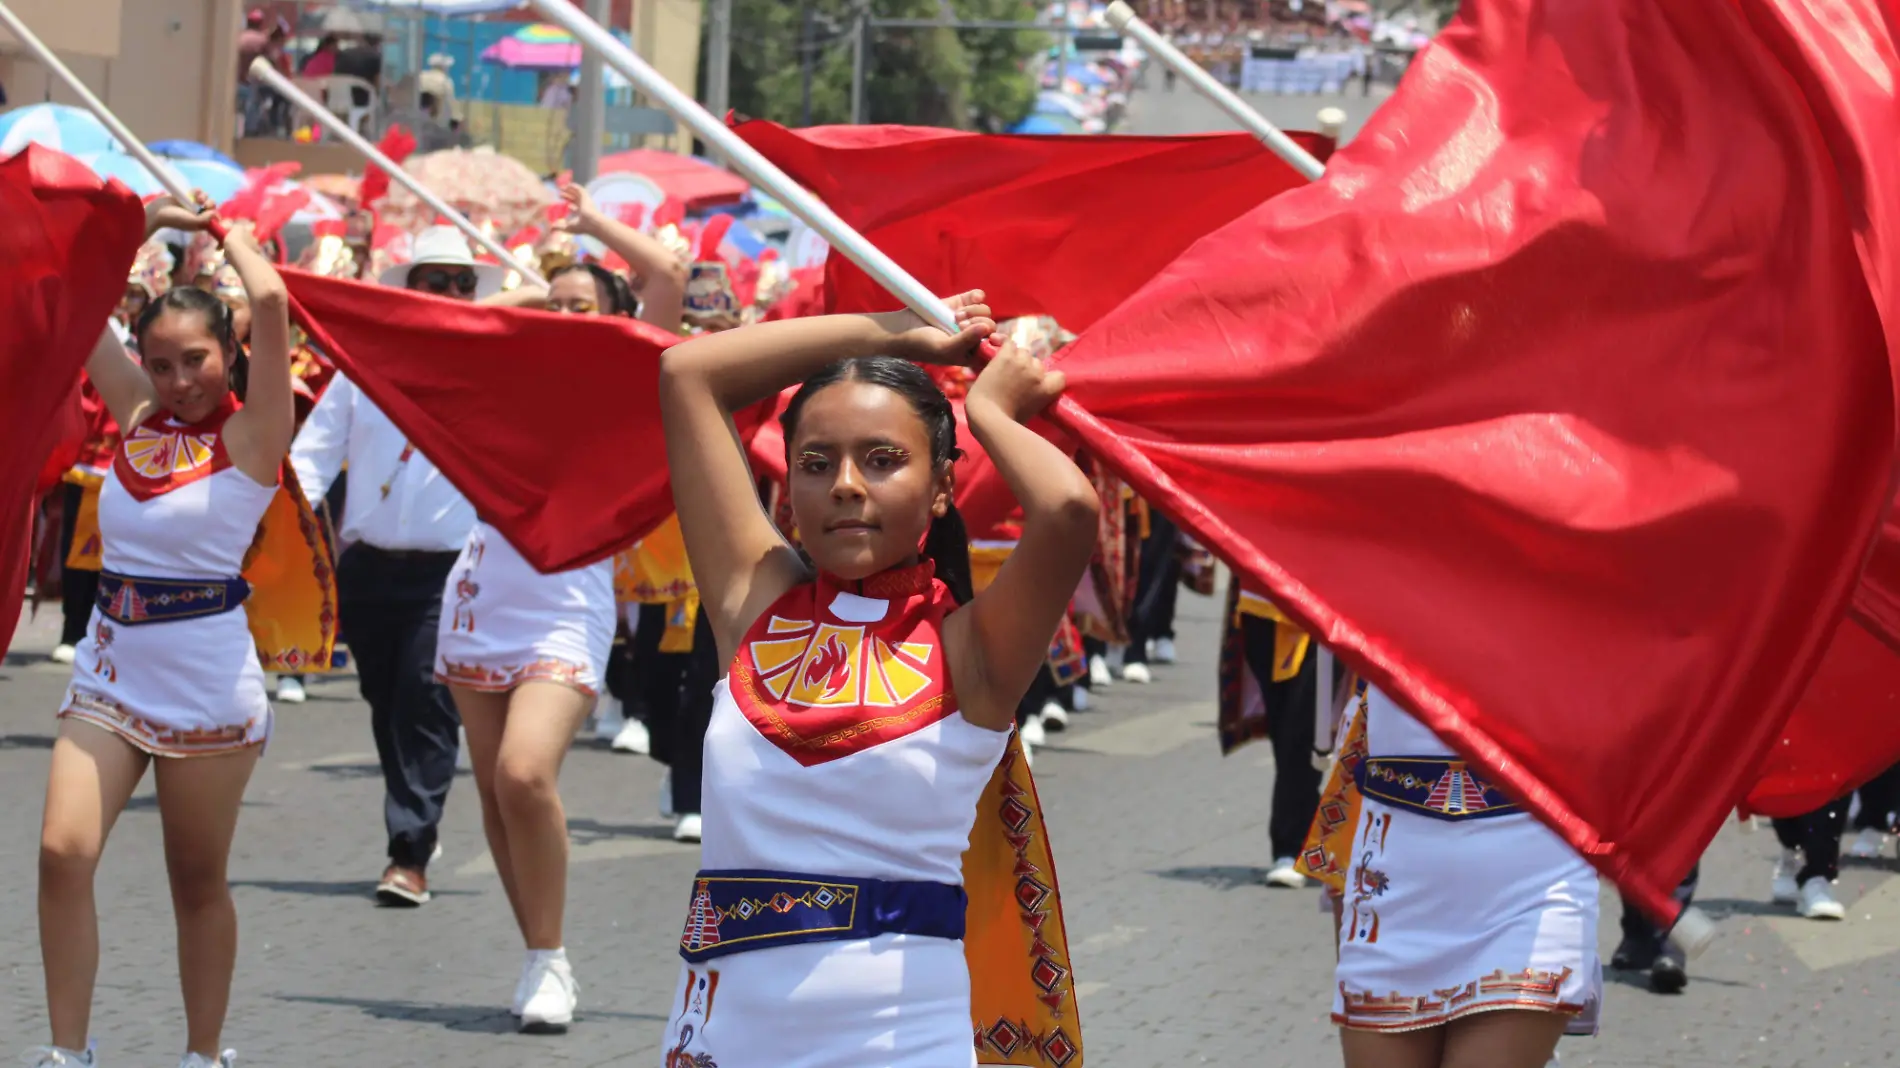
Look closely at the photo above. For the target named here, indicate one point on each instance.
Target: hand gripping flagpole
(1123, 17)
(262, 71)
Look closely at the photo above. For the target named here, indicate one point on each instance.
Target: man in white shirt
(403, 526)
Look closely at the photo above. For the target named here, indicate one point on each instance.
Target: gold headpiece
(151, 270)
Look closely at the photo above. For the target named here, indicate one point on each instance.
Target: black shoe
(1633, 954)
(1667, 975)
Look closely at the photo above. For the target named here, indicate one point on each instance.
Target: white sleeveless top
(898, 810)
(1392, 731)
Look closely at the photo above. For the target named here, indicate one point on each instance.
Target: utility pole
(860, 60)
(806, 47)
(719, 60)
(590, 104)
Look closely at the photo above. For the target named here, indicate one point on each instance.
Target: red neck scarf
(162, 454)
(836, 666)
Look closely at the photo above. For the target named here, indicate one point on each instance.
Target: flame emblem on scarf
(831, 662)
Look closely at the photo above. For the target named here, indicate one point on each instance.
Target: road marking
(334, 760)
(1113, 938)
(1872, 929)
(1143, 736)
(1088, 990)
(590, 852)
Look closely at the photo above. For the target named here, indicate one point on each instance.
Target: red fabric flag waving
(66, 241)
(397, 144)
(549, 424)
(1567, 417)
(1062, 226)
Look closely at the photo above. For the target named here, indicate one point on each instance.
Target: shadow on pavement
(586, 831)
(363, 888)
(1220, 877)
(26, 741)
(479, 1019)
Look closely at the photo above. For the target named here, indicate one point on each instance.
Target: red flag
(258, 183)
(1566, 417)
(396, 144)
(65, 245)
(549, 424)
(1061, 226)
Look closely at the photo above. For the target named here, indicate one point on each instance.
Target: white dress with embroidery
(1442, 919)
(899, 809)
(504, 623)
(182, 687)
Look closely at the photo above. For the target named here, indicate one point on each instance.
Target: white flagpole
(261, 70)
(749, 162)
(1123, 17)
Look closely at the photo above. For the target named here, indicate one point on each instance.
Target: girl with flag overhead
(170, 677)
(524, 654)
(868, 699)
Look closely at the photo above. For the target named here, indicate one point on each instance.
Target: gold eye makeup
(892, 453)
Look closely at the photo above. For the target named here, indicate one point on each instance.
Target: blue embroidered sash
(736, 910)
(131, 600)
(1439, 787)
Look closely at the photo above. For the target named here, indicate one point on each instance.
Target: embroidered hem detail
(156, 738)
(1531, 989)
(486, 679)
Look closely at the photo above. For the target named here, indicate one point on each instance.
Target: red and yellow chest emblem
(160, 455)
(821, 687)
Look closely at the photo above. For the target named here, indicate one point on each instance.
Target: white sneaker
(632, 737)
(1054, 716)
(62, 654)
(1033, 732)
(1817, 901)
(1137, 673)
(1163, 651)
(57, 1056)
(687, 829)
(521, 984)
(290, 691)
(1099, 675)
(1782, 888)
(1868, 844)
(197, 1060)
(1079, 697)
(609, 718)
(552, 994)
(666, 795)
(1283, 873)
(461, 749)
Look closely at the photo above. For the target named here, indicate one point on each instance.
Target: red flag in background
(1567, 417)
(1061, 226)
(66, 241)
(549, 424)
(397, 144)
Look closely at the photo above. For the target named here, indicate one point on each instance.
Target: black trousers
(390, 604)
(1155, 579)
(78, 589)
(1640, 930)
(1818, 836)
(1879, 801)
(1291, 723)
(676, 693)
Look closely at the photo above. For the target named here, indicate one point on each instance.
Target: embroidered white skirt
(1442, 919)
(504, 623)
(184, 687)
(894, 1001)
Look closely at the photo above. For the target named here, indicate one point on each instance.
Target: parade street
(1182, 955)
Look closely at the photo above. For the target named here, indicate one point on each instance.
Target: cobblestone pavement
(1182, 954)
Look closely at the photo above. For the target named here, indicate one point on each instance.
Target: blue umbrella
(1038, 124)
(126, 169)
(70, 130)
(192, 150)
(1084, 74)
(219, 182)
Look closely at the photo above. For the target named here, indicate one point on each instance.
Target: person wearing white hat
(403, 527)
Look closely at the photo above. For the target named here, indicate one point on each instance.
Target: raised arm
(122, 384)
(663, 276)
(740, 562)
(1001, 639)
(258, 436)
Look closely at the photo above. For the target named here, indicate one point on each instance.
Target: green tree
(967, 79)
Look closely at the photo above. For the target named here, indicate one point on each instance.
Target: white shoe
(1099, 675)
(521, 985)
(609, 719)
(1137, 673)
(1079, 697)
(1055, 717)
(1033, 732)
(290, 691)
(1283, 873)
(1782, 889)
(197, 1060)
(1163, 651)
(632, 737)
(461, 749)
(551, 992)
(1115, 661)
(62, 654)
(1817, 901)
(666, 795)
(1868, 844)
(57, 1056)
(687, 829)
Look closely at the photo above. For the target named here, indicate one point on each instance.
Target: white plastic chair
(341, 101)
